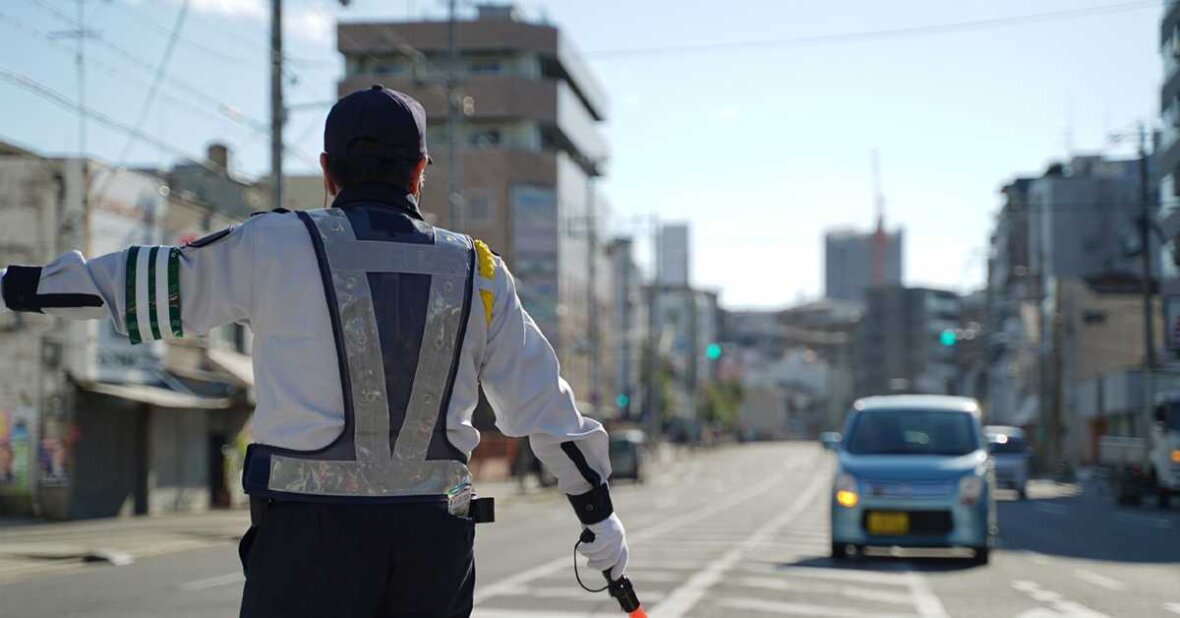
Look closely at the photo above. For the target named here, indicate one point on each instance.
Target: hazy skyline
(760, 147)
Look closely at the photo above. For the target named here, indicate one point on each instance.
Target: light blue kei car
(913, 472)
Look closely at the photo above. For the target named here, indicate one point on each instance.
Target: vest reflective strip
(379, 470)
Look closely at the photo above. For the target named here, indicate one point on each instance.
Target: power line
(63, 101)
(161, 69)
(237, 61)
(219, 111)
(873, 35)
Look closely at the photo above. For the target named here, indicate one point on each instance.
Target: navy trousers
(314, 560)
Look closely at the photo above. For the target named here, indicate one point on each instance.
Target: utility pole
(453, 196)
(653, 337)
(1145, 224)
(80, 63)
(592, 288)
(277, 112)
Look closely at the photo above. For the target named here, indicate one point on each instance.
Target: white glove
(609, 549)
(3, 307)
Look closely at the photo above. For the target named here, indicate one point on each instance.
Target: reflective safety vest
(396, 386)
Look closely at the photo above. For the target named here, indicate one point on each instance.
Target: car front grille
(919, 490)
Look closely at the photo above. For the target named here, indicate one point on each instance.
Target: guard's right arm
(147, 292)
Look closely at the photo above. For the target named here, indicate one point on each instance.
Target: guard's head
(375, 136)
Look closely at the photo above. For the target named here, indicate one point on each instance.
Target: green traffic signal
(622, 400)
(713, 351)
(947, 338)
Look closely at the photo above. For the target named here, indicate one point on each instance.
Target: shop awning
(239, 366)
(159, 395)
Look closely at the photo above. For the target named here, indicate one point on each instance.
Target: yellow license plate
(888, 523)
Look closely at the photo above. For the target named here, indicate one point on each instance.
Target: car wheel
(1022, 493)
(1163, 498)
(839, 551)
(982, 555)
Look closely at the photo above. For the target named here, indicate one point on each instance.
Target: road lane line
(1055, 600)
(853, 575)
(688, 594)
(781, 584)
(1099, 580)
(1139, 520)
(924, 598)
(1172, 607)
(483, 593)
(213, 582)
(577, 594)
(802, 609)
(526, 613)
(1050, 508)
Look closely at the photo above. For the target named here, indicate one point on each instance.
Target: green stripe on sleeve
(174, 292)
(130, 313)
(153, 318)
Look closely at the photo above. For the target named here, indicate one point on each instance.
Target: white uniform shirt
(264, 273)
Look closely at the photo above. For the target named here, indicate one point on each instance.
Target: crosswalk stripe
(872, 577)
(803, 609)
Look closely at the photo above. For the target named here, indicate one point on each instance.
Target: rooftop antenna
(879, 237)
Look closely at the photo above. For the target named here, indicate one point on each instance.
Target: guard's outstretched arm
(521, 378)
(148, 292)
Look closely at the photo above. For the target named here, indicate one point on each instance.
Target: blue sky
(760, 148)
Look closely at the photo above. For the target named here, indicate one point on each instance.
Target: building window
(485, 138)
(478, 207)
(487, 66)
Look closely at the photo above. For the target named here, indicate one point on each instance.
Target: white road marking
(1059, 603)
(213, 582)
(1099, 580)
(687, 595)
(1172, 607)
(1139, 520)
(924, 598)
(783, 584)
(483, 593)
(871, 577)
(803, 609)
(577, 594)
(525, 613)
(637, 574)
(1050, 508)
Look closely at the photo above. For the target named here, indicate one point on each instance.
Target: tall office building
(674, 255)
(850, 263)
(529, 149)
(900, 346)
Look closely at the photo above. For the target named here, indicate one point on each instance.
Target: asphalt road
(738, 531)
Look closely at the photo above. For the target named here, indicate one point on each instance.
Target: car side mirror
(831, 440)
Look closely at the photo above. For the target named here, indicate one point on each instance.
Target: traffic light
(622, 400)
(948, 338)
(713, 351)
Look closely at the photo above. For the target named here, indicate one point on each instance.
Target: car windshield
(912, 432)
(1009, 446)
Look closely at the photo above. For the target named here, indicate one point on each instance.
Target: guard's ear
(330, 185)
(416, 177)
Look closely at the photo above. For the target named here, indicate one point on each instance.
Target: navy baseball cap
(391, 123)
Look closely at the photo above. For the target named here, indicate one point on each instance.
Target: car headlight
(970, 489)
(845, 491)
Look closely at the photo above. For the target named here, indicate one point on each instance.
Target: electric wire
(872, 35)
(53, 96)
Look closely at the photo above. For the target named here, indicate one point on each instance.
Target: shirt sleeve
(148, 292)
(522, 380)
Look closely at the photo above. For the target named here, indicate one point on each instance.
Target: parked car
(1010, 456)
(628, 454)
(913, 471)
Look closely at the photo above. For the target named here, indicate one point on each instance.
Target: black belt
(481, 510)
